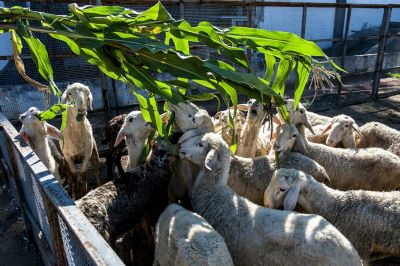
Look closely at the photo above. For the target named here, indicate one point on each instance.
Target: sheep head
(221, 123)
(209, 151)
(134, 128)
(256, 112)
(341, 130)
(284, 189)
(189, 116)
(32, 126)
(298, 116)
(287, 137)
(80, 96)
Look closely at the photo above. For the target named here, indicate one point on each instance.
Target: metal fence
(62, 233)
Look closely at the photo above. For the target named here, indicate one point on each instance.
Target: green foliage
(53, 111)
(394, 75)
(129, 46)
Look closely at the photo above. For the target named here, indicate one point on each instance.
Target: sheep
(248, 139)
(317, 119)
(115, 154)
(370, 220)
(256, 235)
(189, 116)
(375, 134)
(185, 238)
(78, 142)
(137, 196)
(342, 130)
(34, 132)
(221, 124)
(135, 130)
(348, 169)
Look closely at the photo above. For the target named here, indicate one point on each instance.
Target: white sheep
(185, 238)
(221, 124)
(34, 132)
(369, 219)
(375, 134)
(256, 235)
(364, 168)
(135, 130)
(248, 143)
(342, 130)
(78, 142)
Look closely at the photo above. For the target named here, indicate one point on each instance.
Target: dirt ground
(15, 250)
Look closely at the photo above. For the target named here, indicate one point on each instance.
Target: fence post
(182, 9)
(55, 230)
(344, 50)
(304, 21)
(381, 51)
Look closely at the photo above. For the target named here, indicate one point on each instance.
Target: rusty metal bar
(54, 224)
(381, 51)
(344, 51)
(304, 22)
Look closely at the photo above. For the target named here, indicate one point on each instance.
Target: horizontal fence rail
(62, 233)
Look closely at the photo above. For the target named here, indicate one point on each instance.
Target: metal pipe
(304, 22)
(381, 51)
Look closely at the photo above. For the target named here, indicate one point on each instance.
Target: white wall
(5, 44)
(320, 21)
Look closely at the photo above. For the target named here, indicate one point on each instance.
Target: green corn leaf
(303, 72)
(149, 110)
(269, 67)
(205, 97)
(282, 73)
(156, 13)
(104, 11)
(53, 112)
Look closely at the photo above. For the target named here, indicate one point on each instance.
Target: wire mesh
(33, 196)
(74, 252)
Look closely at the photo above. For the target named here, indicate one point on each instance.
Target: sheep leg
(73, 180)
(95, 164)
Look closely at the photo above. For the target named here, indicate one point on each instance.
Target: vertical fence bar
(55, 230)
(250, 8)
(344, 50)
(304, 21)
(182, 9)
(381, 51)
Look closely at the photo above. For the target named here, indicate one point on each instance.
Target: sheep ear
(53, 131)
(242, 107)
(291, 198)
(22, 117)
(211, 160)
(64, 96)
(300, 141)
(90, 101)
(327, 128)
(121, 135)
(308, 125)
(355, 127)
(23, 134)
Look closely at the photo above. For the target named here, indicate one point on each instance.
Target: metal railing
(62, 233)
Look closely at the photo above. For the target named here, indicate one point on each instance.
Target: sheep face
(298, 116)
(80, 96)
(133, 128)
(189, 116)
(341, 129)
(284, 189)
(287, 136)
(32, 126)
(256, 112)
(205, 150)
(160, 156)
(221, 123)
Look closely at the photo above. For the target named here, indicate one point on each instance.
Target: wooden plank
(97, 249)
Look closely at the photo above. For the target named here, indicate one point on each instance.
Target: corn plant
(133, 47)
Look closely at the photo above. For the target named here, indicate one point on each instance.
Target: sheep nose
(330, 141)
(81, 110)
(268, 205)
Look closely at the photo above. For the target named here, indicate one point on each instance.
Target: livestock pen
(62, 233)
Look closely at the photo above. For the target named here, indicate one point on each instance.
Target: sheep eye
(282, 190)
(69, 93)
(130, 119)
(194, 120)
(346, 126)
(294, 135)
(301, 111)
(201, 144)
(189, 116)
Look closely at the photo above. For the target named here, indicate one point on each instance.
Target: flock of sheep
(192, 202)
